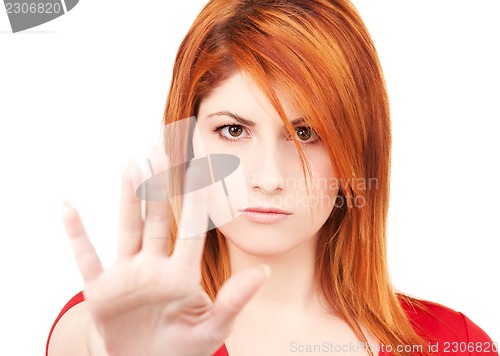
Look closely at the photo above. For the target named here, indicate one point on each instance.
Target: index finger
(194, 218)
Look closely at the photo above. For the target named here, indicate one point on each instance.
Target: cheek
(325, 180)
(227, 198)
(227, 194)
(325, 185)
(199, 146)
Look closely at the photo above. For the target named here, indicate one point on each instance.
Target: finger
(156, 228)
(233, 296)
(156, 225)
(86, 258)
(193, 224)
(130, 223)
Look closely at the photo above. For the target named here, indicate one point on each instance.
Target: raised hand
(149, 303)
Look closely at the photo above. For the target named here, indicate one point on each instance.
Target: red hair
(320, 54)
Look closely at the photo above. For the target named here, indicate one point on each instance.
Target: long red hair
(321, 55)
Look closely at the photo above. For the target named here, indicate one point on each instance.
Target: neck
(292, 285)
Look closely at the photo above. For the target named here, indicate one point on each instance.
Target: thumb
(234, 295)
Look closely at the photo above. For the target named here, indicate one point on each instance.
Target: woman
(295, 91)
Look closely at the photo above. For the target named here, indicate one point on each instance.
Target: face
(236, 118)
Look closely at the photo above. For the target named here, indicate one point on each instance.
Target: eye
(234, 131)
(305, 134)
(227, 131)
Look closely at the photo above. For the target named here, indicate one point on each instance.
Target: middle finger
(190, 240)
(157, 225)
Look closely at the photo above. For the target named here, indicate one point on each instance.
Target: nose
(267, 175)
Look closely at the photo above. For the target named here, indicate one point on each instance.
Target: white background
(82, 94)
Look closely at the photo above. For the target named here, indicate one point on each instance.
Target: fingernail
(66, 208)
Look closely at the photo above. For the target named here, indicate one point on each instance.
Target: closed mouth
(264, 210)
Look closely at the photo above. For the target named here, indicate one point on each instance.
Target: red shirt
(448, 331)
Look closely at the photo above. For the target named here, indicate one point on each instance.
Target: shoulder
(440, 324)
(78, 298)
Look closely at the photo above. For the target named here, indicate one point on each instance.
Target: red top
(448, 331)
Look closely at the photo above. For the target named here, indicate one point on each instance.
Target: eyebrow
(237, 117)
(248, 122)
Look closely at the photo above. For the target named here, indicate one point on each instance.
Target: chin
(262, 242)
(258, 249)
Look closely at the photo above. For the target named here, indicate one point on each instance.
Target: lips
(265, 215)
(268, 210)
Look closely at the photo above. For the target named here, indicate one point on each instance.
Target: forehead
(240, 94)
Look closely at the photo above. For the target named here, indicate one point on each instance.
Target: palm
(134, 294)
(149, 303)
(141, 276)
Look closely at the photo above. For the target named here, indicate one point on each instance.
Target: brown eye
(305, 133)
(235, 131)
